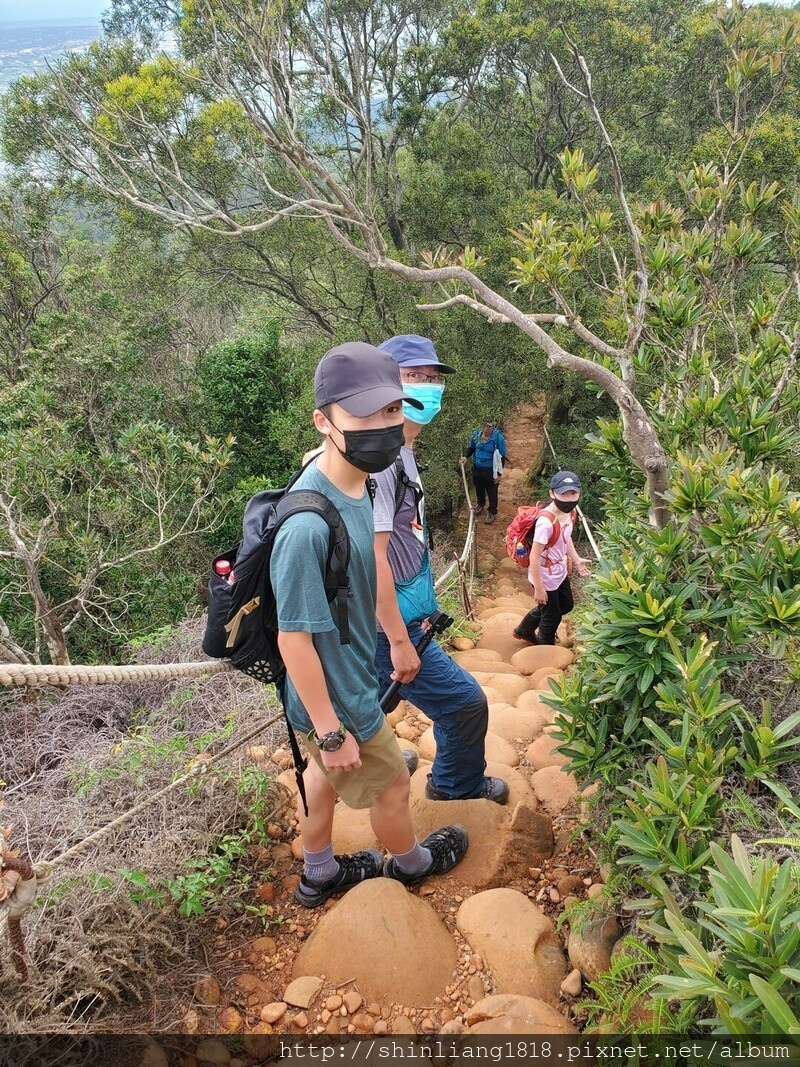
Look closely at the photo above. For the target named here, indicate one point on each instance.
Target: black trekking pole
(439, 621)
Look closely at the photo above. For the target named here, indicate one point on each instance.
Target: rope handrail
(37, 674)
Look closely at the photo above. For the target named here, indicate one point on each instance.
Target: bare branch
(636, 326)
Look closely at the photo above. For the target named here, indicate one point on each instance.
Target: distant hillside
(27, 47)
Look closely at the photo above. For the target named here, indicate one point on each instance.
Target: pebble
(191, 1022)
(300, 1020)
(353, 1001)
(230, 1021)
(573, 983)
(476, 961)
(363, 1022)
(302, 992)
(270, 1013)
(333, 1026)
(554, 895)
(297, 847)
(381, 1026)
(333, 1003)
(403, 1025)
(475, 990)
(324, 1016)
(207, 990)
(428, 1025)
(595, 890)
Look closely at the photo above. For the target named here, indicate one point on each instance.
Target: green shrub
(742, 951)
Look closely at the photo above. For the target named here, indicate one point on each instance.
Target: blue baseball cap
(411, 350)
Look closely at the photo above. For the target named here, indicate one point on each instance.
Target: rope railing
(37, 674)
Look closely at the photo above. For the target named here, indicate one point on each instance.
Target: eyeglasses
(423, 379)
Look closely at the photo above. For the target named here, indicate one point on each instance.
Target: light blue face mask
(430, 396)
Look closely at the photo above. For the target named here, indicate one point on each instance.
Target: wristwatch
(330, 742)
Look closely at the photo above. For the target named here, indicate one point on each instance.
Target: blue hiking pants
(455, 703)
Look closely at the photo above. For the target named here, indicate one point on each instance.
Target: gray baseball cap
(359, 377)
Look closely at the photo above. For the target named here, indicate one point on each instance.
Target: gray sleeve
(383, 505)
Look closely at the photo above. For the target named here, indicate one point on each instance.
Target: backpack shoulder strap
(337, 584)
(402, 484)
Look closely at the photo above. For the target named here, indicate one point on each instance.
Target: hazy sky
(13, 10)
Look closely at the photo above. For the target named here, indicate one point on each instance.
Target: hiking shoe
(490, 518)
(353, 869)
(447, 847)
(490, 789)
(533, 640)
(479, 509)
(411, 758)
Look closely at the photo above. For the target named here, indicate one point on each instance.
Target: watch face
(331, 742)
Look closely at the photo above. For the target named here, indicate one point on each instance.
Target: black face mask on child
(371, 451)
(565, 505)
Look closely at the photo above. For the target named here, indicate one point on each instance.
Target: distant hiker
(436, 684)
(331, 692)
(550, 563)
(488, 447)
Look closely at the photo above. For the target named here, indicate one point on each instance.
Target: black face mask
(371, 451)
(565, 505)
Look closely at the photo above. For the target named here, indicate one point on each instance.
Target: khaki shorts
(382, 764)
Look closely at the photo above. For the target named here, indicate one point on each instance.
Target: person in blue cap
(435, 684)
(548, 571)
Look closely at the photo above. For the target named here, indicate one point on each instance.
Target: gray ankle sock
(319, 866)
(416, 861)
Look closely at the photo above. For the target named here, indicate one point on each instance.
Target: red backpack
(519, 534)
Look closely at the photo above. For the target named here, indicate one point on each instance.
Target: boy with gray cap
(436, 684)
(331, 690)
(548, 571)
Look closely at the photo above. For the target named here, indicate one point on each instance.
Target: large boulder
(517, 942)
(534, 657)
(516, 725)
(507, 1013)
(591, 944)
(510, 685)
(543, 752)
(386, 940)
(540, 679)
(497, 749)
(531, 700)
(498, 641)
(505, 839)
(555, 788)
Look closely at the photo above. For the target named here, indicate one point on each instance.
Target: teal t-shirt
(297, 570)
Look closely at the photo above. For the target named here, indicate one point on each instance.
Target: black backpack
(242, 623)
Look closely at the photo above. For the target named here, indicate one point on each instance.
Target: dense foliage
(609, 189)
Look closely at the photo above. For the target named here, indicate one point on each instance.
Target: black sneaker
(491, 517)
(479, 509)
(447, 847)
(411, 758)
(353, 869)
(532, 640)
(490, 789)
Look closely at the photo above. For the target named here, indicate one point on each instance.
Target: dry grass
(72, 762)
